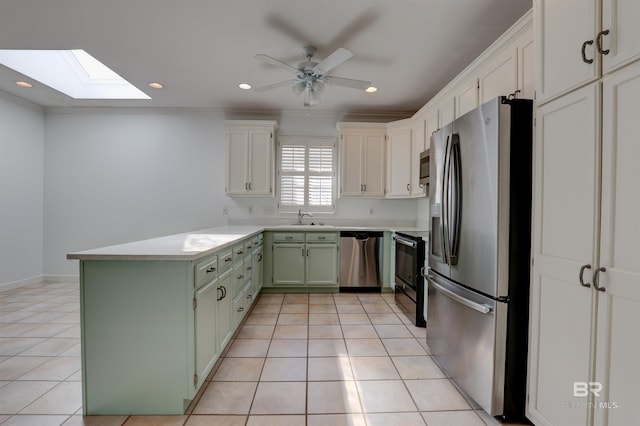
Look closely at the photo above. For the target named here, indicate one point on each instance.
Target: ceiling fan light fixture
(371, 89)
(299, 87)
(317, 87)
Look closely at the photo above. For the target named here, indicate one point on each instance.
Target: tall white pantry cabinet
(585, 306)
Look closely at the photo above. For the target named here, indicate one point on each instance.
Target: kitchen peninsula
(156, 314)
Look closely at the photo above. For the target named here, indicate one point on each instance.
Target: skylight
(72, 72)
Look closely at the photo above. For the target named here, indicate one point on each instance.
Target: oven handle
(466, 302)
(405, 242)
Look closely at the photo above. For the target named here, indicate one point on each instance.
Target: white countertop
(196, 244)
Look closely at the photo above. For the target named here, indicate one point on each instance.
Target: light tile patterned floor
(298, 360)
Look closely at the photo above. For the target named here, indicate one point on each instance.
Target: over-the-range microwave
(424, 167)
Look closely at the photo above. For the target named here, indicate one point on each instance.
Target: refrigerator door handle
(456, 297)
(446, 176)
(453, 223)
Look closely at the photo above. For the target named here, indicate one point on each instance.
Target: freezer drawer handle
(471, 304)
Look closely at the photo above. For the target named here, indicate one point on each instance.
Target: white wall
(114, 175)
(21, 191)
(119, 175)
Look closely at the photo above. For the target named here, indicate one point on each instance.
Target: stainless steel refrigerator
(479, 253)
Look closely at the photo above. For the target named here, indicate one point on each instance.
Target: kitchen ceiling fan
(311, 77)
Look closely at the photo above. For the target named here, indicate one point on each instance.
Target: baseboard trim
(39, 279)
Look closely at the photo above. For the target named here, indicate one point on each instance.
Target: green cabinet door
(256, 276)
(224, 315)
(206, 344)
(322, 264)
(288, 264)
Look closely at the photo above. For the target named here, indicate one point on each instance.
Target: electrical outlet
(225, 210)
(268, 210)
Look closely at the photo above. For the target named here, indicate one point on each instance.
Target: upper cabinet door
(374, 162)
(621, 18)
(565, 37)
(399, 163)
(500, 76)
(351, 164)
(237, 165)
(467, 98)
(260, 172)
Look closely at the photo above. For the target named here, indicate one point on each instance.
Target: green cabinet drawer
(206, 270)
(225, 260)
(322, 237)
(288, 237)
(238, 253)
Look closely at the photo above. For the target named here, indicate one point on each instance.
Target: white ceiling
(202, 49)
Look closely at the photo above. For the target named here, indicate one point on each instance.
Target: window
(306, 174)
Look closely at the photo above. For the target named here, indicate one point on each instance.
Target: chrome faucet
(302, 214)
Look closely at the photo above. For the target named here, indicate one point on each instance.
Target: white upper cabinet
(250, 158)
(399, 160)
(567, 56)
(417, 146)
(573, 46)
(467, 97)
(430, 126)
(620, 33)
(362, 159)
(499, 77)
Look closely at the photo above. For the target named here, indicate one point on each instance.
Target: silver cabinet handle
(596, 277)
(408, 187)
(580, 276)
(212, 269)
(240, 309)
(599, 42)
(584, 55)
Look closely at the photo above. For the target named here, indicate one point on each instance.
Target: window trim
(307, 141)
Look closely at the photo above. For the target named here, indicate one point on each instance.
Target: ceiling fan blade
(273, 61)
(346, 82)
(336, 58)
(274, 85)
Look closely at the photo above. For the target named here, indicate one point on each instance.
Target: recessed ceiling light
(72, 72)
(371, 89)
(156, 85)
(24, 84)
(244, 86)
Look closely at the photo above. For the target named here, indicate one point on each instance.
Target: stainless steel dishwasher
(360, 260)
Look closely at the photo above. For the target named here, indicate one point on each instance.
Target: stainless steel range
(409, 283)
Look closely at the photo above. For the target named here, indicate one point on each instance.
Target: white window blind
(306, 174)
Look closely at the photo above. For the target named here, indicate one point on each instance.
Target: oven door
(406, 263)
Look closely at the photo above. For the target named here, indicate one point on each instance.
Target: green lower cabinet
(257, 269)
(303, 260)
(137, 328)
(321, 264)
(288, 264)
(206, 343)
(224, 312)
